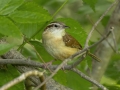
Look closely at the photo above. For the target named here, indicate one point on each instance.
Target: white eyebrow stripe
(54, 24)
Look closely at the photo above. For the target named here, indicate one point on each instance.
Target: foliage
(91, 3)
(25, 20)
(8, 75)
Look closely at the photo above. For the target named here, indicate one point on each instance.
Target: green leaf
(105, 20)
(8, 28)
(1, 35)
(30, 12)
(110, 79)
(3, 3)
(29, 29)
(114, 67)
(28, 53)
(5, 47)
(9, 6)
(72, 80)
(9, 74)
(75, 30)
(33, 7)
(112, 87)
(91, 3)
(41, 50)
(29, 17)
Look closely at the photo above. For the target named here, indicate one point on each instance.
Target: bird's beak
(66, 26)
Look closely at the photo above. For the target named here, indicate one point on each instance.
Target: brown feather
(71, 41)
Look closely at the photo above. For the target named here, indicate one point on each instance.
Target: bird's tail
(93, 56)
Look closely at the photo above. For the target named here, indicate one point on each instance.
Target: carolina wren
(59, 43)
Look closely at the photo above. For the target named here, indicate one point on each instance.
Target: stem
(60, 8)
(32, 36)
(42, 26)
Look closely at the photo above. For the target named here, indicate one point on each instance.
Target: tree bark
(33, 80)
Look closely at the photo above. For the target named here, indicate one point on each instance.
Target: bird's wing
(71, 41)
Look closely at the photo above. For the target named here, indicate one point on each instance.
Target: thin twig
(39, 56)
(85, 49)
(55, 71)
(21, 78)
(42, 26)
(61, 65)
(101, 34)
(22, 45)
(60, 8)
(66, 60)
(104, 37)
(28, 62)
(89, 79)
(114, 40)
(91, 31)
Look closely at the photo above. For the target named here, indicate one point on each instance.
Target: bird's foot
(46, 65)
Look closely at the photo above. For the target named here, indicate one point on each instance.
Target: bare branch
(103, 50)
(33, 63)
(35, 81)
(89, 79)
(94, 43)
(101, 34)
(91, 31)
(114, 40)
(56, 68)
(70, 58)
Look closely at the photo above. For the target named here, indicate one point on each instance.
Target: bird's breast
(57, 48)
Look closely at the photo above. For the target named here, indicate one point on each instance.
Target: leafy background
(22, 20)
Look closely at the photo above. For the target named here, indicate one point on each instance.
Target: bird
(60, 44)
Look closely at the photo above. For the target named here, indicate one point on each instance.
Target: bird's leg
(48, 64)
(63, 67)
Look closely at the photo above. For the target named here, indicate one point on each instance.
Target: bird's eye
(56, 25)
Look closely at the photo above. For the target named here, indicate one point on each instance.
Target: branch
(85, 49)
(59, 8)
(103, 50)
(35, 81)
(101, 34)
(70, 58)
(54, 67)
(28, 62)
(21, 78)
(114, 40)
(89, 79)
(93, 28)
(66, 68)
(21, 46)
